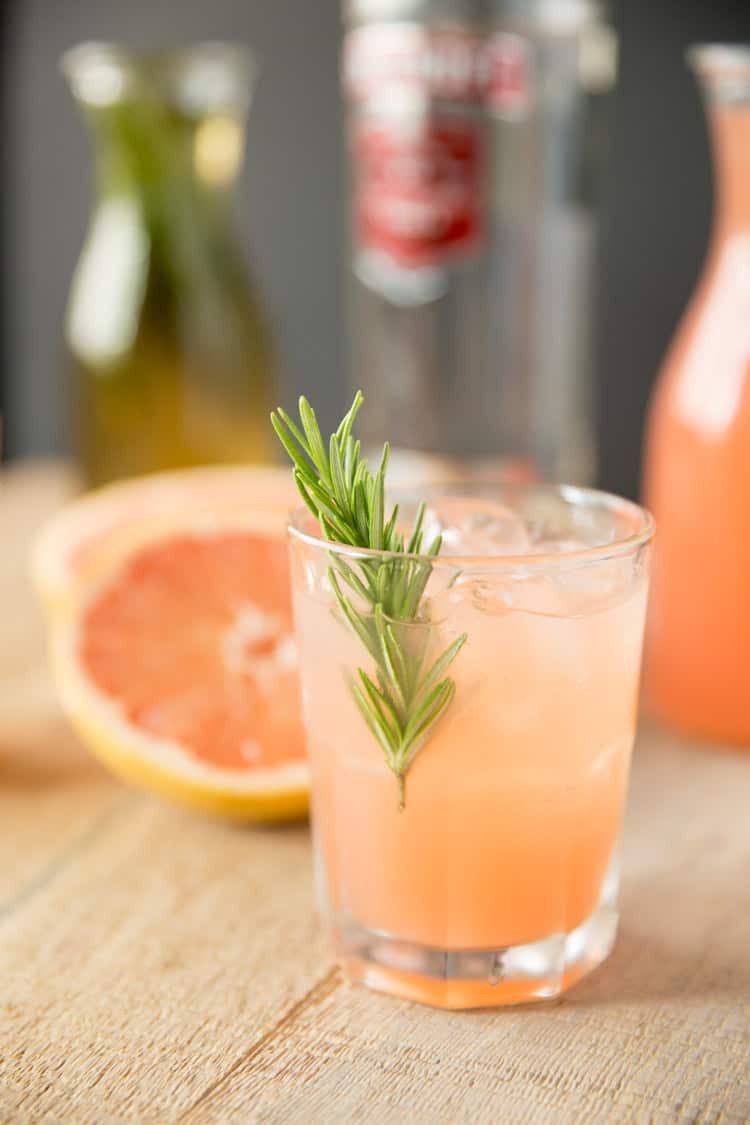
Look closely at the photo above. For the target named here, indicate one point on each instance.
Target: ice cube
(575, 590)
(475, 527)
(552, 520)
(597, 586)
(491, 596)
(538, 594)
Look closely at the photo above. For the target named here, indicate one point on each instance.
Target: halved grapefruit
(178, 665)
(69, 542)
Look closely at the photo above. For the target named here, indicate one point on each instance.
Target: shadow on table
(643, 968)
(41, 752)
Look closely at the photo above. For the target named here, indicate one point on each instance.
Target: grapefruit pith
(178, 668)
(71, 540)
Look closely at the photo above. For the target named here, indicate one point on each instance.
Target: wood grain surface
(156, 966)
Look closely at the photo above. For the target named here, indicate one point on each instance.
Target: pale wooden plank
(151, 965)
(155, 964)
(53, 796)
(28, 495)
(141, 949)
(660, 1034)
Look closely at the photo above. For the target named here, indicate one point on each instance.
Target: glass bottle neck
(730, 141)
(165, 161)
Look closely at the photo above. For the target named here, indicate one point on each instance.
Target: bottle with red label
(473, 130)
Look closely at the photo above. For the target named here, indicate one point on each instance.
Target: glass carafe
(170, 350)
(698, 449)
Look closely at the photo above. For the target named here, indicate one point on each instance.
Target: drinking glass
(486, 873)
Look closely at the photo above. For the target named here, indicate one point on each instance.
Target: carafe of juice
(698, 450)
(170, 350)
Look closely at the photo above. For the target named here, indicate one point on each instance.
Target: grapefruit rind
(89, 521)
(160, 765)
(141, 758)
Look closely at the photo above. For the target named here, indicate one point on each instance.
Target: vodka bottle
(475, 132)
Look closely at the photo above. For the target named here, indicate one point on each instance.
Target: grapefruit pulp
(178, 667)
(71, 541)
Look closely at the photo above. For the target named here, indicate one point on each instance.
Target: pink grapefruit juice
(512, 807)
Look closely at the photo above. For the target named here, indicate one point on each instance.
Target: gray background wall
(290, 198)
(290, 206)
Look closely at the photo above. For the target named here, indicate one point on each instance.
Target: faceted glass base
(477, 978)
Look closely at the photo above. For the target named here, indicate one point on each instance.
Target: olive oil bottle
(171, 354)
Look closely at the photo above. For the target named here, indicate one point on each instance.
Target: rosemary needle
(408, 694)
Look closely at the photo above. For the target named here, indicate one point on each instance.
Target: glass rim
(574, 495)
(134, 54)
(102, 72)
(719, 60)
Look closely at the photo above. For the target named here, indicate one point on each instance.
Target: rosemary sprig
(379, 597)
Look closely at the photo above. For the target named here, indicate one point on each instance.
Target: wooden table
(158, 966)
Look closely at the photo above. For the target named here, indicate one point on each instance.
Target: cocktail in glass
(486, 874)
